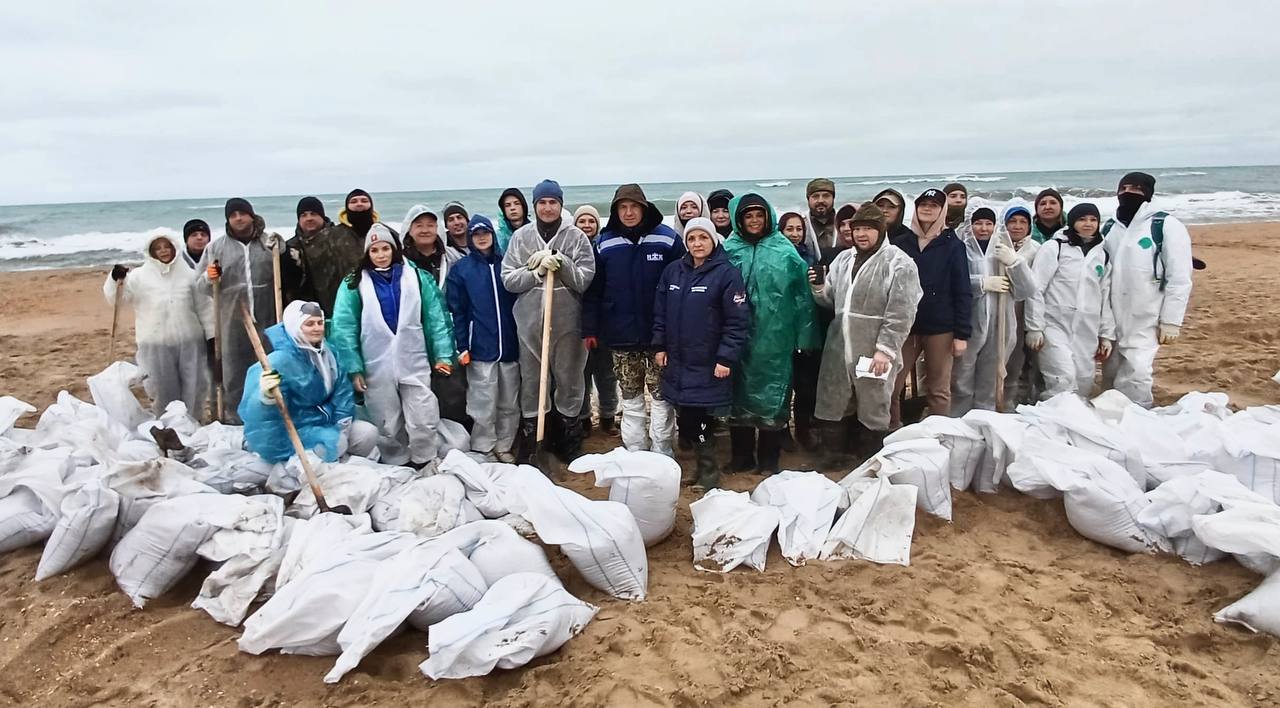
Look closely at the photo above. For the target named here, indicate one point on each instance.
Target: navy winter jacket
(701, 317)
(618, 307)
(944, 277)
(483, 323)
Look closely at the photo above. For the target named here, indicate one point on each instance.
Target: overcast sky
(138, 100)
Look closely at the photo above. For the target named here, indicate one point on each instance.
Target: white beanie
(702, 223)
(378, 233)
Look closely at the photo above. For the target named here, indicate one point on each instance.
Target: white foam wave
(207, 206)
(1182, 174)
(976, 178)
(779, 183)
(24, 246)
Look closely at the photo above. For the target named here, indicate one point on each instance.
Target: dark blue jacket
(483, 323)
(618, 307)
(944, 277)
(701, 317)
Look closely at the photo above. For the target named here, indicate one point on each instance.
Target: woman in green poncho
(782, 323)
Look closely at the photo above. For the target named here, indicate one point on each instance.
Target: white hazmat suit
(1072, 307)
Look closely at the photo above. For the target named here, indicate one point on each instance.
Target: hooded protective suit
(316, 390)
(782, 320)
(448, 256)
(396, 365)
(1020, 385)
(973, 375)
(246, 276)
(703, 210)
(168, 326)
(1071, 306)
(1140, 302)
(568, 355)
(874, 310)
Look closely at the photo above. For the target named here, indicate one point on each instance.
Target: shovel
(298, 449)
(115, 321)
(543, 458)
(275, 275)
(217, 345)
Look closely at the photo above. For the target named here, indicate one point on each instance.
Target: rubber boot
(525, 440)
(742, 448)
(768, 452)
(831, 441)
(570, 447)
(855, 436)
(788, 442)
(804, 432)
(608, 425)
(586, 425)
(704, 452)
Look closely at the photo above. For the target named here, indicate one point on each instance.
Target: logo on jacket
(740, 298)
(673, 286)
(654, 257)
(1145, 242)
(1099, 270)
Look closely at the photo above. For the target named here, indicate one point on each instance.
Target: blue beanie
(479, 222)
(1014, 210)
(548, 188)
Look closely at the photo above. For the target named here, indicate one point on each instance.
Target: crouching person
(701, 319)
(874, 289)
(390, 331)
(484, 330)
(315, 388)
(171, 343)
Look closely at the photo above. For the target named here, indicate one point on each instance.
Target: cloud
(135, 100)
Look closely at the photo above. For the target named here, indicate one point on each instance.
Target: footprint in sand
(787, 625)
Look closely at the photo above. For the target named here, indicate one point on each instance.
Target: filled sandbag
(452, 435)
(648, 484)
(921, 462)
(11, 409)
(520, 618)
(497, 550)
(806, 504)
(87, 430)
(111, 392)
(433, 505)
(230, 471)
(31, 495)
(730, 530)
(176, 418)
(1251, 452)
(1067, 417)
(356, 484)
(483, 481)
(85, 522)
(250, 549)
(1174, 503)
(312, 539)
(1004, 434)
(217, 436)
(964, 442)
(1250, 531)
(142, 485)
(1259, 610)
(878, 524)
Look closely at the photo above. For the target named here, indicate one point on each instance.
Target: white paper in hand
(863, 370)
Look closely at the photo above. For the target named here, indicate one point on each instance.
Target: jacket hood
(717, 258)
(414, 212)
(502, 214)
(739, 205)
(703, 209)
(177, 262)
(478, 222)
(902, 206)
(258, 231)
(648, 222)
(718, 196)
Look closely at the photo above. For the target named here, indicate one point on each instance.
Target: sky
(154, 100)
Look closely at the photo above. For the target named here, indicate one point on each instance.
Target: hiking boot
(742, 444)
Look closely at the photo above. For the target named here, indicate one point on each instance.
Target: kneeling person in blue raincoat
(316, 390)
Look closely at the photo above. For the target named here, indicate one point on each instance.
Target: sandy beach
(1007, 606)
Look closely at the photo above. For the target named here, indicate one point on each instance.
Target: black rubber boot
(831, 443)
(742, 448)
(804, 433)
(607, 425)
(586, 425)
(769, 451)
(525, 440)
(704, 451)
(855, 436)
(570, 447)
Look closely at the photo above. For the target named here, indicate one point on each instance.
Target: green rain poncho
(783, 317)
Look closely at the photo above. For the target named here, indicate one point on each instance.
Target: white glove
(552, 262)
(1006, 255)
(1035, 341)
(1169, 333)
(536, 260)
(995, 284)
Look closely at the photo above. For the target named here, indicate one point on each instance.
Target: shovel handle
(544, 367)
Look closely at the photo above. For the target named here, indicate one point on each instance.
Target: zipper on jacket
(497, 308)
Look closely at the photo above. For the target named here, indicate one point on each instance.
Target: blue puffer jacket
(701, 317)
(483, 323)
(618, 307)
(316, 412)
(944, 277)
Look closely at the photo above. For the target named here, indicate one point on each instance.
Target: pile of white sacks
(447, 553)
(1193, 479)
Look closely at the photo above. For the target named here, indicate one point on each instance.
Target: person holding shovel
(168, 325)
(315, 388)
(549, 250)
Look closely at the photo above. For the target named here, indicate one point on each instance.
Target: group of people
(799, 330)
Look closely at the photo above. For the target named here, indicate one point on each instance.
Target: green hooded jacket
(783, 320)
(344, 331)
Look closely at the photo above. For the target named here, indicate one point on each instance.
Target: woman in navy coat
(701, 321)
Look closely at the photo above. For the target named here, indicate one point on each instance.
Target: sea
(47, 236)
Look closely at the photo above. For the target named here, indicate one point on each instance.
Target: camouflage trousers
(637, 371)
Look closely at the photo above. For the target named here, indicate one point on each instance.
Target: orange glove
(590, 342)
(444, 369)
(464, 358)
(214, 271)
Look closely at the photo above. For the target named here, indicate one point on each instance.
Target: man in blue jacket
(631, 252)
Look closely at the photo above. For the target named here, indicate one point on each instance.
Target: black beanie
(955, 187)
(307, 204)
(1142, 181)
(1080, 210)
(193, 226)
(454, 208)
(235, 204)
(983, 213)
(357, 192)
(1050, 192)
(719, 199)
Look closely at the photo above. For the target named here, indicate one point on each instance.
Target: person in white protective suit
(168, 326)
(390, 331)
(1150, 254)
(1022, 380)
(874, 289)
(241, 263)
(550, 244)
(1068, 317)
(998, 279)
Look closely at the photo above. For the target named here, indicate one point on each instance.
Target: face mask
(955, 215)
(360, 220)
(1129, 205)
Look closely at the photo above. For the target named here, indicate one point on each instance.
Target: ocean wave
(779, 183)
(901, 180)
(207, 206)
(976, 178)
(1182, 174)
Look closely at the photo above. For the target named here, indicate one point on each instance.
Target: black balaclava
(955, 214)
(1130, 203)
(502, 213)
(746, 203)
(719, 199)
(359, 220)
(1077, 212)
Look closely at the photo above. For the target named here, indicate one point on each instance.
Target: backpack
(1157, 238)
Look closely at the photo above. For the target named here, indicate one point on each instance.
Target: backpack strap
(1106, 228)
(1157, 251)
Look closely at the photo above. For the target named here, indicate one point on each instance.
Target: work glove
(995, 284)
(552, 262)
(1169, 333)
(1104, 348)
(214, 271)
(1005, 255)
(464, 358)
(590, 343)
(269, 382)
(536, 260)
(118, 272)
(1035, 341)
